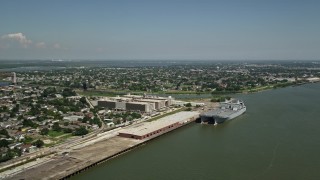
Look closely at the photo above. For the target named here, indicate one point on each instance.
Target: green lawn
(123, 92)
(65, 136)
(54, 133)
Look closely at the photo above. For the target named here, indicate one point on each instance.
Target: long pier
(121, 152)
(82, 158)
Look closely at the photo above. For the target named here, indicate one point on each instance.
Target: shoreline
(106, 159)
(107, 93)
(71, 172)
(80, 159)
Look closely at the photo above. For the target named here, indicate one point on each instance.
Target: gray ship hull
(220, 119)
(227, 111)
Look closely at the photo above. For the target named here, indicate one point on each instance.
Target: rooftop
(141, 103)
(148, 127)
(151, 100)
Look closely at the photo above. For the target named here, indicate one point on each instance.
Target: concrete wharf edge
(82, 169)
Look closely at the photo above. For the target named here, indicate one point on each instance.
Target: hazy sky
(162, 29)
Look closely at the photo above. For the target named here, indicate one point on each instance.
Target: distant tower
(14, 78)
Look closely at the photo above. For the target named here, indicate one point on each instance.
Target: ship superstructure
(226, 111)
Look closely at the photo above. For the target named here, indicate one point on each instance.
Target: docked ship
(226, 111)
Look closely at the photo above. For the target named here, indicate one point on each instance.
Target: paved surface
(75, 154)
(61, 165)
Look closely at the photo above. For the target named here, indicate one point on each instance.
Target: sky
(160, 30)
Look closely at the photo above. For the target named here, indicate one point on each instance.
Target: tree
(4, 132)
(80, 131)
(67, 130)
(34, 111)
(188, 105)
(44, 131)
(9, 155)
(83, 100)
(56, 127)
(4, 143)
(68, 92)
(85, 119)
(49, 91)
(29, 123)
(17, 151)
(95, 120)
(39, 143)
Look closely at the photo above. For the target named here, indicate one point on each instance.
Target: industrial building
(158, 127)
(136, 103)
(107, 104)
(158, 104)
(138, 106)
(126, 106)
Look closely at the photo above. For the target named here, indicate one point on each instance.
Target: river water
(277, 138)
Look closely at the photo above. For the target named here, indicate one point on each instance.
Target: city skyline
(153, 30)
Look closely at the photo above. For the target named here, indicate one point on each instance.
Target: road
(71, 144)
(63, 147)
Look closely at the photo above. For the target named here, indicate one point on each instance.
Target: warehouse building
(138, 106)
(159, 104)
(107, 104)
(136, 103)
(158, 127)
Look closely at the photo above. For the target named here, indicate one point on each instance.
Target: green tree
(67, 130)
(28, 123)
(4, 143)
(56, 127)
(86, 119)
(80, 131)
(4, 132)
(68, 92)
(39, 143)
(17, 151)
(188, 105)
(83, 100)
(44, 131)
(9, 155)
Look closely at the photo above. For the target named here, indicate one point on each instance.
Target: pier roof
(149, 127)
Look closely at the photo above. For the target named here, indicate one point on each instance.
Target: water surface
(277, 138)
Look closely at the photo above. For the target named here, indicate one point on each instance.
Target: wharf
(67, 164)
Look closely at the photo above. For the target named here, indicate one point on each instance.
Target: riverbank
(80, 158)
(277, 138)
(190, 95)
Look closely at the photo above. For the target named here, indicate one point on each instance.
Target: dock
(81, 158)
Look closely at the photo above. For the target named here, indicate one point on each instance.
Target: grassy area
(60, 139)
(105, 92)
(54, 133)
(123, 92)
(258, 89)
(167, 114)
(65, 136)
(181, 92)
(94, 93)
(262, 88)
